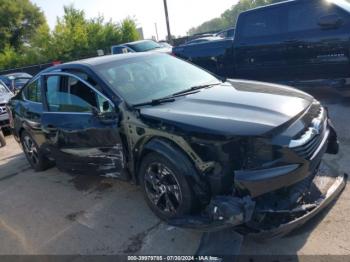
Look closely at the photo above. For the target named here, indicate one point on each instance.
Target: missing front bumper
(324, 189)
(227, 212)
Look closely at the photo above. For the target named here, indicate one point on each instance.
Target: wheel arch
(180, 159)
(168, 149)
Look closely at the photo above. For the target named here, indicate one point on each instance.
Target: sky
(183, 14)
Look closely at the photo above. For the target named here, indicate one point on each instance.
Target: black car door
(259, 44)
(81, 126)
(30, 109)
(318, 41)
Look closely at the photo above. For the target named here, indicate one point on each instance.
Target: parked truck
(297, 40)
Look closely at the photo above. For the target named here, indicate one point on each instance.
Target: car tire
(165, 188)
(35, 157)
(2, 139)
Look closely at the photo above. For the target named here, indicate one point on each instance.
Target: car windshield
(342, 4)
(21, 81)
(145, 46)
(142, 79)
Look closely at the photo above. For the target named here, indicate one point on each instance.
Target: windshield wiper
(155, 102)
(194, 88)
(172, 97)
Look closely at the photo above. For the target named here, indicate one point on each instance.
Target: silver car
(5, 96)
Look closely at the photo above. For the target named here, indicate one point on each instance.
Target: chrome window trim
(312, 131)
(69, 113)
(24, 97)
(84, 82)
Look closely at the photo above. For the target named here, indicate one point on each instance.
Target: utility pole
(167, 21)
(155, 24)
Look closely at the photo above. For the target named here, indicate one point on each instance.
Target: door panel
(80, 142)
(260, 44)
(31, 109)
(315, 52)
(78, 137)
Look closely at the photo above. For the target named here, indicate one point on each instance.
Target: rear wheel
(2, 139)
(165, 188)
(35, 158)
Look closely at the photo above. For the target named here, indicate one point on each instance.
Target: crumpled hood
(236, 107)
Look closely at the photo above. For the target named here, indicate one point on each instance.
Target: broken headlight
(260, 154)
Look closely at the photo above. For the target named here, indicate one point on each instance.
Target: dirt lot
(55, 213)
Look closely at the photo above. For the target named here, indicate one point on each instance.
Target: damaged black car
(208, 152)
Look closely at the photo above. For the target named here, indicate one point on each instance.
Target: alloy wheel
(162, 188)
(31, 150)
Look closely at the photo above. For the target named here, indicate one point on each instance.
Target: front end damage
(274, 200)
(273, 214)
(279, 212)
(260, 182)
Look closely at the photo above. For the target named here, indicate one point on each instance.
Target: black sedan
(208, 153)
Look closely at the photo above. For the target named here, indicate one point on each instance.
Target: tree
(129, 31)
(19, 20)
(74, 37)
(70, 37)
(230, 16)
(103, 35)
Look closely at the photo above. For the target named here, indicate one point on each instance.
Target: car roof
(140, 41)
(131, 43)
(275, 5)
(100, 60)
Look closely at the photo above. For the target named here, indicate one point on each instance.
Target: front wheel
(165, 188)
(35, 158)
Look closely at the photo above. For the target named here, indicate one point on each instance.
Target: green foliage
(19, 20)
(229, 17)
(73, 37)
(9, 57)
(128, 29)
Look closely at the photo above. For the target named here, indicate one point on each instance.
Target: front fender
(169, 150)
(180, 159)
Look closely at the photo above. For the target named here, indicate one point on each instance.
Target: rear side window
(265, 22)
(32, 92)
(305, 16)
(230, 33)
(121, 50)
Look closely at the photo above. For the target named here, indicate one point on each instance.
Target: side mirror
(106, 106)
(109, 114)
(330, 21)
(108, 118)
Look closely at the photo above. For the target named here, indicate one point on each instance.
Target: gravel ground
(54, 213)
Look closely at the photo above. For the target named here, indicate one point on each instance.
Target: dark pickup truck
(295, 41)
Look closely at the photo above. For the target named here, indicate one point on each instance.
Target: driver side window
(68, 94)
